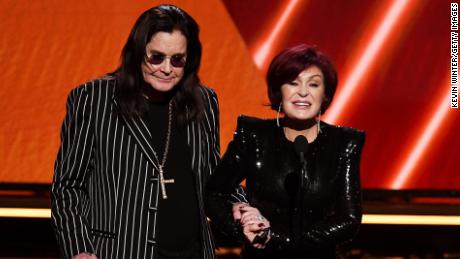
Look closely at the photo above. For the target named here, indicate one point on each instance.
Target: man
(137, 147)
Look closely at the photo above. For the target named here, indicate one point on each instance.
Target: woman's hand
(255, 226)
(236, 209)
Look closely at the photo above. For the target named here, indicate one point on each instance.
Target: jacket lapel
(139, 130)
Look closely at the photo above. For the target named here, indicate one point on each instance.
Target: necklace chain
(168, 136)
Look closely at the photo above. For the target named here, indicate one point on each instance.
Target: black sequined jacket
(307, 221)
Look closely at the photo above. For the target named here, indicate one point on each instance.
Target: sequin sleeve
(223, 188)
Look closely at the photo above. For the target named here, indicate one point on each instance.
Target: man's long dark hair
(130, 81)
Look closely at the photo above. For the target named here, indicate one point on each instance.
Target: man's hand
(85, 256)
(236, 209)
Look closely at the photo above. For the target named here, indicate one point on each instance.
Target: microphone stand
(303, 181)
(301, 146)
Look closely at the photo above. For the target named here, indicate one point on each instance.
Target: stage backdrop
(392, 56)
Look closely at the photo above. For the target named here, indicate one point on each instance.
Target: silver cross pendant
(164, 181)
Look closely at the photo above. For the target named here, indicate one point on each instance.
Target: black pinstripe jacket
(105, 189)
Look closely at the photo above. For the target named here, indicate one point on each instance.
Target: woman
(118, 190)
(303, 198)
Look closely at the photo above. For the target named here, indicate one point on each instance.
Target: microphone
(301, 146)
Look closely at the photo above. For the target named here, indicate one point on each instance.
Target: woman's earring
(278, 115)
(318, 121)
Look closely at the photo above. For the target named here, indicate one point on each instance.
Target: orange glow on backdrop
(434, 125)
(275, 33)
(353, 86)
(391, 56)
(49, 47)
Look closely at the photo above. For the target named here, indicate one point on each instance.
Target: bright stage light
(367, 218)
(372, 50)
(411, 219)
(263, 52)
(432, 127)
(25, 213)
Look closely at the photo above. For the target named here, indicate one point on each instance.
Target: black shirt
(178, 215)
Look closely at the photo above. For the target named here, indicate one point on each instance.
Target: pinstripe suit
(105, 190)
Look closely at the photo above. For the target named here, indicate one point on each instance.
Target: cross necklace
(161, 165)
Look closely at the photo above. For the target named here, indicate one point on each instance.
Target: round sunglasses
(156, 58)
